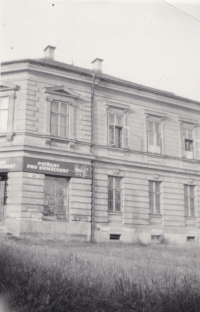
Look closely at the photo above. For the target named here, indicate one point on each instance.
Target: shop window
(154, 137)
(154, 197)
(4, 106)
(59, 118)
(56, 197)
(118, 134)
(114, 194)
(189, 200)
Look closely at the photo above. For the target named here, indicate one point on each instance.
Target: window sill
(50, 138)
(114, 212)
(121, 149)
(155, 215)
(192, 160)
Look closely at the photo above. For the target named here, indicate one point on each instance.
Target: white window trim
(9, 91)
(117, 109)
(121, 210)
(191, 124)
(161, 206)
(71, 104)
(155, 116)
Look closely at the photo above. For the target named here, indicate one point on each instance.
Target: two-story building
(87, 156)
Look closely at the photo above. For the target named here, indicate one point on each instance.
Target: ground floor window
(3, 197)
(114, 194)
(189, 200)
(154, 197)
(56, 197)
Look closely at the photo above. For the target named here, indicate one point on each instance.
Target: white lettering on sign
(32, 166)
(7, 166)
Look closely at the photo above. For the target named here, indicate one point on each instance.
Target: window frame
(60, 115)
(188, 199)
(118, 111)
(188, 154)
(113, 189)
(4, 109)
(8, 90)
(71, 126)
(154, 148)
(154, 193)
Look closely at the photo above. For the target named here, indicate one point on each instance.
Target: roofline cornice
(102, 77)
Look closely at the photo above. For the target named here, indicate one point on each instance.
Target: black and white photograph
(100, 156)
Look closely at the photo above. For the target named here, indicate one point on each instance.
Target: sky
(155, 43)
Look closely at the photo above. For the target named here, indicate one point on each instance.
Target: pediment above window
(114, 104)
(62, 91)
(8, 87)
(155, 113)
(184, 119)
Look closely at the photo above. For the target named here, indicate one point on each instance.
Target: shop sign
(57, 168)
(11, 164)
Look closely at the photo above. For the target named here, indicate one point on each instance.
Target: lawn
(38, 275)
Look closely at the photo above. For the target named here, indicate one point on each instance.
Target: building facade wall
(33, 87)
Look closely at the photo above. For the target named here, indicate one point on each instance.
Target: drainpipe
(92, 151)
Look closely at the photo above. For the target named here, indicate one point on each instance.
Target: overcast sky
(153, 43)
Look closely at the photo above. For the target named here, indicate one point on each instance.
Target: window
(4, 105)
(114, 194)
(154, 197)
(117, 131)
(154, 137)
(189, 200)
(187, 142)
(59, 119)
(56, 197)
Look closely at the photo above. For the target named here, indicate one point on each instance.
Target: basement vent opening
(155, 237)
(190, 238)
(115, 236)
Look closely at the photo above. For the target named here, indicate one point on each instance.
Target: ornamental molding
(113, 104)
(155, 177)
(61, 91)
(9, 137)
(115, 172)
(155, 113)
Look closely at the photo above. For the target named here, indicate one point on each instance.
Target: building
(87, 156)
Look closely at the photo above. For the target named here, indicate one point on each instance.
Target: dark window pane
(118, 195)
(191, 190)
(110, 205)
(55, 107)
(188, 145)
(63, 108)
(111, 135)
(117, 183)
(158, 139)
(110, 195)
(150, 186)
(118, 137)
(192, 206)
(151, 202)
(110, 182)
(117, 206)
(157, 210)
(157, 187)
(185, 190)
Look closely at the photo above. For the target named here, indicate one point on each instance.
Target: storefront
(44, 190)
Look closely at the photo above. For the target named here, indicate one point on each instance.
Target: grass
(39, 275)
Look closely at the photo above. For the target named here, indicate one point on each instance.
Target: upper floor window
(114, 193)
(4, 106)
(59, 119)
(189, 200)
(118, 135)
(154, 136)
(154, 197)
(187, 142)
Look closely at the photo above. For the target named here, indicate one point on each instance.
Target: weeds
(82, 278)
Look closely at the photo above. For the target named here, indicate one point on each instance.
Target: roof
(89, 72)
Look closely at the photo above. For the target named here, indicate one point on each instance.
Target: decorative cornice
(185, 119)
(114, 104)
(149, 112)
